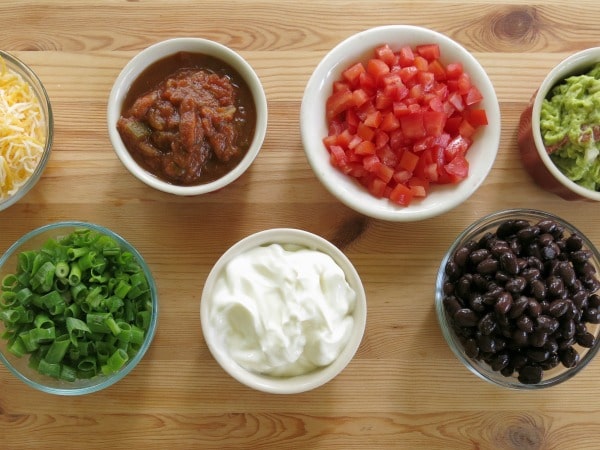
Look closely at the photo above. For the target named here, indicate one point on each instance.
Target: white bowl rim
(300, 383)
(344, 188)
(573, 64)
(137, 65)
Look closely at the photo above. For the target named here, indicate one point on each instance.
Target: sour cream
(282, 310)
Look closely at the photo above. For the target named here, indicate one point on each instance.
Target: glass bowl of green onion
(78, 308)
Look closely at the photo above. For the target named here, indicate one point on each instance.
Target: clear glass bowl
(477, 230)
(34, 240)
(17, 66)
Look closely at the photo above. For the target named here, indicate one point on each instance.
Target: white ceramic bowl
(533, 151)
(163, 49)
(359, 47)
(298, 383)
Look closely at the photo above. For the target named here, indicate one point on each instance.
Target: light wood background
(404, 389)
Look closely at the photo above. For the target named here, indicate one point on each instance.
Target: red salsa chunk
(188, 119)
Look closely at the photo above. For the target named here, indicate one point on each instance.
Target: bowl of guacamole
(559, 133)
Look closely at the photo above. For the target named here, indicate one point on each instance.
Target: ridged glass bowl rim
(479, 227)
(103, 381)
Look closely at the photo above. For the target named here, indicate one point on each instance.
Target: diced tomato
(434, 122)
(408, 161)
(365, 148)
(338, 103)
(406, 57)
(390, 122)
(458, 168)
(473, 96)
(386, 54)
(401, 194)
(377, 68)
(454, 70)
(412, 126)
(430, 52)
(360, 97)
(352, 73)
(403, 121)
(476, 117)
(465, 129)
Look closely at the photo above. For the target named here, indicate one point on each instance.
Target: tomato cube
(401, 195)
(406, 56)
(338, 103)
(430, 52)
(408, 161)
(412, 125)
(434, 122)
(352, 73)
(386, 54)
(377, 68)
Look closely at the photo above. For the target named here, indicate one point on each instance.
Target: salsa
(188, 119)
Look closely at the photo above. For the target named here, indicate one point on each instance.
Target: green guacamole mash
(570, 127)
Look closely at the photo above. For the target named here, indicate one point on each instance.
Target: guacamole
(570, 127)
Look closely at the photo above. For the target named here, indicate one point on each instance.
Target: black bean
(476, 302)
(547, 324)
(594, 300)
(525, 323)
(581, 256)
(503, 303)
(518, 307)
(567, 273)
(516, 285)
(592, 315)
(558, 307)
(538, 289)
(508, 263)
(466, 317)
(528, 234)
(574, 243)
(530, 274)
(569, 357)
(555, 287)
(487, 344)
(530, 374)
(547, 226)
(461, 256)
(520, 338)
(487, 324)
(488, 266)
(550, 363)
(534, 308)
(580, 299)
(538, 354)
(500, 361)
(452, 270)
(586, 339)
(568, 329)
(451, 304)
(545, 239)
(479, 255)
(471, 348)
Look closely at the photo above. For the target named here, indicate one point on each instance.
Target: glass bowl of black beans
(518, 301)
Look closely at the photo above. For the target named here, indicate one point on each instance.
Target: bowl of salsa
(187, 116)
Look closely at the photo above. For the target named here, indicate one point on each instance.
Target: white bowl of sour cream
(283, 311)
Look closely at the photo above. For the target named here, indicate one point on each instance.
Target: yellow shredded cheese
(22, 131)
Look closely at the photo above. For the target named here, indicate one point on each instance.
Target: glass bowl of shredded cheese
(26, 129)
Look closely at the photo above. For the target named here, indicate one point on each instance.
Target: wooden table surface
(404, 389)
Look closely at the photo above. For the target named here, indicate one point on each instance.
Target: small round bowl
(19, 366)
(475, 233)
(161, 50)
(359, 47)
(13, 64)
(290, 384)
(534, 156)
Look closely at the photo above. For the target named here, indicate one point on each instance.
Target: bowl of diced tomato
(400, 123)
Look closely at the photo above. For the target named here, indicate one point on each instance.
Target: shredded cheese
(22, 131)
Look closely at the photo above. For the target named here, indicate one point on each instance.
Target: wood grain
(404, 389)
